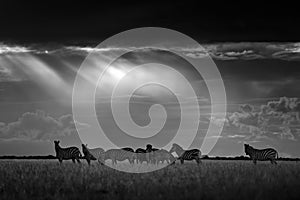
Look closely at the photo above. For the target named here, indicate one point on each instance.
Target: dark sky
(207, 22)
(254, 45)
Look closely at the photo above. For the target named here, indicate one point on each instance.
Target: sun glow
(116, 73)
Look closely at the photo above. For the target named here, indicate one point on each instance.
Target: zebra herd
(150, 155)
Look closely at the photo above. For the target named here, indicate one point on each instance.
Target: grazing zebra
(120, 155)
(141, 155)
(163, 155)
(93, 154)
(261, 154)
(132, 154)
(193, 154)
(67, 153)
(150, 153)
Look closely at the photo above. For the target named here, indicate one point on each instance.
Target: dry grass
(212, 180)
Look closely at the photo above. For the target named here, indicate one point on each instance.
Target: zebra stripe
(141, 155)
(67, 153)
(163, 155)
(261, 154)
(193, 154)
(93, 154)
(131, 154)
(120, 155)
(150, 153)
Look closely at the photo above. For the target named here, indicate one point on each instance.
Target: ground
(211, 180)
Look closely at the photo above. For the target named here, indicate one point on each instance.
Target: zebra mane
(248, 146)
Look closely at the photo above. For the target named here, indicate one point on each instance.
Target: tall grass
(211, 180)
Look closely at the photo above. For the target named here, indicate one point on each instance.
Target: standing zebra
(193, 154)
(130, 153)
(120, 155)
(261, 154)
(93, 154)
(67, 153)
(163, 155)
(150, 153)
(141, 155)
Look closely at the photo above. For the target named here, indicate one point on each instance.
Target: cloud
(219, 51)
(285, 105)
(217, 121)
(246, 108)
(13, 49)
(236, 136)
(277, 119)
(37, 126)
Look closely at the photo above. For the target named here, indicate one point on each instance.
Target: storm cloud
(276, 119)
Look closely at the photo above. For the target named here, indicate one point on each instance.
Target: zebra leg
(78, 160)
(88, 161)
(73, 160)
(157, 162)
(273, 162)
(181, 160)
(60, 161)
(174, 161)
(254, 161)
(198, 160)
(100, 162)
(131, 161)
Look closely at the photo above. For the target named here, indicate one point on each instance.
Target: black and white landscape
(256, 49)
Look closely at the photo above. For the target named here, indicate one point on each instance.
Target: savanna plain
(47, 179)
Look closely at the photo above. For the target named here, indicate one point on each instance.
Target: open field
(211, 180)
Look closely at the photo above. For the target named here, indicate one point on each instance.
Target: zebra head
(247, 148)
(56, 142)
(148, 147)
(84, 147)
(175, 148)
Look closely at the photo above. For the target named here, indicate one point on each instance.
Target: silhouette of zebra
(68, 153)
(261, 154)
(193, 154)
(141, 155)
(150, 153)
(93, 154)
(120, 155)
(163, 155)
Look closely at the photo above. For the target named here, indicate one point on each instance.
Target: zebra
(93, 154)
(120, 155)
(261, 154)
(67, 153)
(163, 155)
(193, 154)
(150, 153)
(131, 150)
(141, 155)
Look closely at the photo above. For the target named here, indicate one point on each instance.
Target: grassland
(212, 180)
